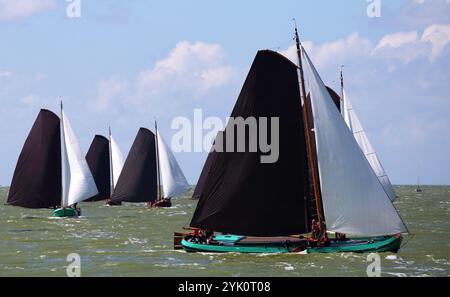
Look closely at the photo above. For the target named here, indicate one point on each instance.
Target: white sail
(172, 178)
(117, 160)
(77, 181)
(353, 199)
(357, 129)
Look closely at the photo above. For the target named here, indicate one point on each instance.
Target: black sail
(138, 179)
(198, 191)
(36, 181)
(241, 195)
(99, 163)
(336, 98)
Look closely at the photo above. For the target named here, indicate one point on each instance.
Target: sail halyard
(310, 149)
(64, 162)
(111, 162)
(355, 202)
(158, 168)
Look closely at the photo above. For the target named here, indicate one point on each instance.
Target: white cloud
(190, 70)
(397, 39)
(13, 9)
(399, 47)
(108, 90)
(330, 53)
(193, 67)
(407, 46)
(438, 36)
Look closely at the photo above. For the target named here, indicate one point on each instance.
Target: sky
(127, 63)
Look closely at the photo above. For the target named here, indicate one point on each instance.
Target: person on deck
(77, 209)
(315, 234)
(325, 241)
(340, 236)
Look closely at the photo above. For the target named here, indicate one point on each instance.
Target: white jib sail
(172, 178)
(77, 181)
(354, 200)
(117, 160)
(357, 129)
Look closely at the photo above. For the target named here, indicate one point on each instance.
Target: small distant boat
(150, 169)
(321, 173)
(51, 171)
(418, 188)
(106, 162)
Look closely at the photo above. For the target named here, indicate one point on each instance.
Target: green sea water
(133, 240)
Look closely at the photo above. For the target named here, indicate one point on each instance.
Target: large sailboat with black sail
(322, 181)
(51, 171)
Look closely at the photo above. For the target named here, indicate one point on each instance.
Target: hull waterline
(65, 212)
(363, 245)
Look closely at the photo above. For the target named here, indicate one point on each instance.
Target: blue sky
(123, 63)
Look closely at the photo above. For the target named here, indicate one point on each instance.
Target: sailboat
(106, 162)
(150, 173)
(51, 171)
(98, 161)
(249, 207)
(360, 135)
(418, 188)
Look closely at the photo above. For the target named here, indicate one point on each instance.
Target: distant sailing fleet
(328, 179)
(52, 171)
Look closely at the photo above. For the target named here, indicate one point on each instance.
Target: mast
(62, 159)
(111, 161)
(310, 148)
(158, 184)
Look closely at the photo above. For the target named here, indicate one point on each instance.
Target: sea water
(133, 240)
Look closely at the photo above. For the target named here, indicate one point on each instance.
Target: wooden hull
(112, 203)
(161, 203)
(233, 245)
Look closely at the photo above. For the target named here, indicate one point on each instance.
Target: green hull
(378, 244)
(369, 245)
(65, 212)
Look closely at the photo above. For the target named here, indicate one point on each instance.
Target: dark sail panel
(137, 181)
(37, 178)
(99, 163)
(240, 194)
(336, 98)
(204, 175)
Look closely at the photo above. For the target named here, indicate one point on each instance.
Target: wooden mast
(308, 125)
(157, 163)
(62, 159)
(111, 162)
